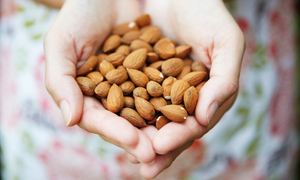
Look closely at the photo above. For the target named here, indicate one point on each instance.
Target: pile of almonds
(142, 76)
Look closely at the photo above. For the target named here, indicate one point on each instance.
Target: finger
(162, 162)
(132, 159)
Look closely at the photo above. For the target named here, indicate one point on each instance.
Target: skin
(207, 26)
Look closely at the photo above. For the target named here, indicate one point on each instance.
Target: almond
(88, 66)
(153, 121)
(158, 102)
(121, 67)
(190, 99)
(187, 62)
(151, 35)
(102, 89)
(199, 86)
(125, 27)
(161, 121)
(105, 67)
(172, 67)
(154, 89)
(111, 43)
(136, 59)
(198, 66)
(172, 40)
(127, 87)
(185, 71)
(167, 85)
(95, 76)
(116, 58)
(194, 78)
(138, 77)
(144, 108)
(104, 102)
(115, 99)
(152, 57)
(116, 76)
(145, 28)
(86, 85)
(133, 117)
(130, 36)
(141, 92)
(174, 112)
(177, 91)
(182, 51)
(154, 74)
(143, 20)
(164, 48)
(129, 102)
(156, 65)
(101, 57)
(138, 44)
(124, 49)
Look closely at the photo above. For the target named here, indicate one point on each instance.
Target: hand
(218, 42)
(77, 33)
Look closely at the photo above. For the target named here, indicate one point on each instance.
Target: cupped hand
(216, 41)
(77, 33)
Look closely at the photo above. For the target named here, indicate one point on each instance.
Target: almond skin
(154, 89)
(167, 85)
(141, 92)
(136, 59)
(188, 62)
(100, 57)
(125, 27)
(143, 20)
(138, 77)
(199, 86)
(105, 67)
(144, 108)
(152, 57)
(194, 78)
(185, 71)
(175, 113)
(182, 51)
(86, 85)
(117, 76)
(121, 67)
(116, 59)
(156, 65)
(151, 35)
(133, 117)
(130, 36)
(164, 48)
(111, 43)
(190, 99)
(104, 102)
(154, 74)
(88, 66)
(127, 87)
(198, 66)
(129, 102)
(158, 102)
(102, 89)
(172, 67)
(95, 76)
(124, 49)
(115, 99)
(161, 121)
(177, 91)
(138, 44)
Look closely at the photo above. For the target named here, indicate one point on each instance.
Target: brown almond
(151, 35)
(101, 57)
(105, 67)
(152, 57)
(111, 43)
(141, 92)
(116, 59)
(182, 51)
(136, 59)
(116, 76)
(153, 121)
(95, 76)
(129, 102)
(164, 48)
(175, 113)
(190, 99)
(172, 40)
(198, 66)
(86, 85)
(144, 108)
(133, 117)
(104, 102)
(138, 77)
(194, 78)
(145, 28)
(177, 91)
(154, 89)
(167, 85)
(156, 65)
(102, 89)
(187, 62)
(158, 102)
(185, 71)
(172, 67)
(130, 36)
(121, 67)
(115, 99)
(199, 86)
(154, 74)
(161, 121)
(125, 27)
(138, 44)
(143, 20)
(127, 87)
(124, 49)
(88, 66)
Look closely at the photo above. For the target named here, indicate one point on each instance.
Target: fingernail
(211, 111)
(66, 111)
(160, 153)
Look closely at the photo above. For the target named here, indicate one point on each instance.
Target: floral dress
(256, 139)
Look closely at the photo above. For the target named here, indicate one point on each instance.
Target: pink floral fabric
(256, 139)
